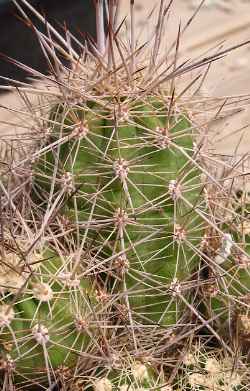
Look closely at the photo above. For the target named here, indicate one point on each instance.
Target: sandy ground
(219, 24)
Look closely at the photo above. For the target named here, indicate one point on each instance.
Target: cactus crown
(123, 249)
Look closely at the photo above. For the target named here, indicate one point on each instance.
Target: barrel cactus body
(130, 183)
(124, 249)
(117, 183)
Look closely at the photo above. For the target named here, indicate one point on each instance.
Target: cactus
(122, 248)
(137, 215)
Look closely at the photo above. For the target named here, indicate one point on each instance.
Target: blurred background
(18, 41)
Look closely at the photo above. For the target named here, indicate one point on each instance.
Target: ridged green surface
(147, 240)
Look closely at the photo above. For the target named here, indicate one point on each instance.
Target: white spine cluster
(81, 130)
(41, 334)
(174, 189)
(179, 233)
(42, 292)
(121, 218)
(121, 168)
(175, 287)
(225, 249)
